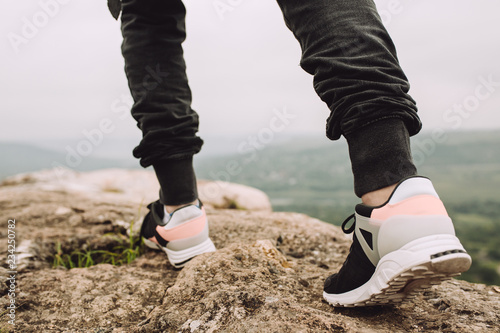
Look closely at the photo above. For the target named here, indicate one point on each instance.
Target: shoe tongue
(156, 212)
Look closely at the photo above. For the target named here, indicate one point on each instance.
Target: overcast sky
(66, 76)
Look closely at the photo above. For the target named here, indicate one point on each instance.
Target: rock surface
(266, 275)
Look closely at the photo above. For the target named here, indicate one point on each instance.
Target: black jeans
(344, 46)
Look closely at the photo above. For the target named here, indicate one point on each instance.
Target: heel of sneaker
(443, 253)
(180, 258)
(180, 251)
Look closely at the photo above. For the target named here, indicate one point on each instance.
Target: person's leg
(153, 31)
(403, 238)
(154, 64)
(357, 74)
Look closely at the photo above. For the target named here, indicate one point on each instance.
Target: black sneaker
(182, 237)
(399, 249)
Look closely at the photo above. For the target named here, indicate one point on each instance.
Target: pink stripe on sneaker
(185, 230)
(417, 205)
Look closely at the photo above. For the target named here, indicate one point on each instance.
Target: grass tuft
(128, 249)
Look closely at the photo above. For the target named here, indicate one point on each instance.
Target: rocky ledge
(266, 275)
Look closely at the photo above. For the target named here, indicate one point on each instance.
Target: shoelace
(351, 228)
(348, 231)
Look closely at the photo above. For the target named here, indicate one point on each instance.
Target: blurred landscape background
(311, 175)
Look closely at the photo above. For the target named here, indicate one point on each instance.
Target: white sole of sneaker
(179, 259)
(402, 274)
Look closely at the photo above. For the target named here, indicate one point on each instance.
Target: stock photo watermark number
(11, 263)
